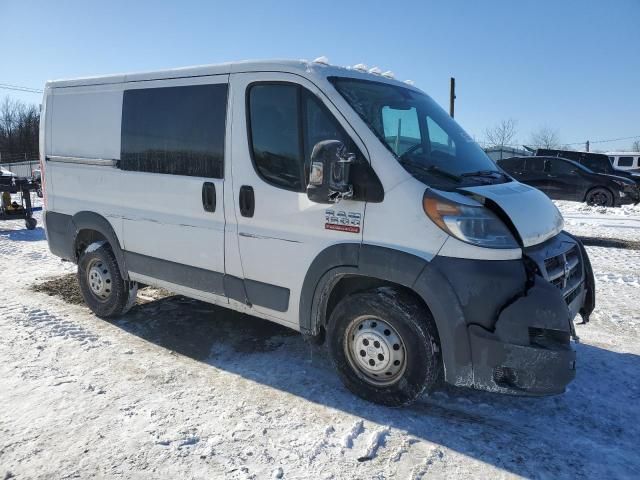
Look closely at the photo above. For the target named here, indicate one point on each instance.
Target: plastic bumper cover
(528, 352)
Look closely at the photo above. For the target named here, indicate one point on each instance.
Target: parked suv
(563, 179)
(343, 204)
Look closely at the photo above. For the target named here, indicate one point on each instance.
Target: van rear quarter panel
(84, 122)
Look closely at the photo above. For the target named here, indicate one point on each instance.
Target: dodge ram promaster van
(338, 202)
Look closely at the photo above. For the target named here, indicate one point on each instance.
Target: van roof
(629, 154)
(301, 67)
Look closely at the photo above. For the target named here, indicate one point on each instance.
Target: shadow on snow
(24, 235)
(589, 431)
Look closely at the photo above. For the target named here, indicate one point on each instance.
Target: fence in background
(21, 169)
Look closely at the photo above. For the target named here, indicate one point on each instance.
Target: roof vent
(375, 71)
(389, 74)
(410, 82)
(322, 60)
(361, 67)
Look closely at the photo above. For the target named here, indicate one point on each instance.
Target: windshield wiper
(430, 169)
(485, 173)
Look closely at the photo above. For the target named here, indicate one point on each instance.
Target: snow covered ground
(182, 389)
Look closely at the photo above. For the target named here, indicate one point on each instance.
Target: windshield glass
(428, 143)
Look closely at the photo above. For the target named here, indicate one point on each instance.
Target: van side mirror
(329, 175)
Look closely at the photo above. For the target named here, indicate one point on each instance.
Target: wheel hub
(375, 349)
(99, 279)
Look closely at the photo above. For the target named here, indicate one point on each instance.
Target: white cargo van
(625, 160)
(341, 203)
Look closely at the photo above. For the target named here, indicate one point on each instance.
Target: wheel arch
(90, 227)
(345, 268)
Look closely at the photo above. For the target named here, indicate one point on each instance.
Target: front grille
(564, 271)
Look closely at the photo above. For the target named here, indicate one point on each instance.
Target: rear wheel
(104, 290)
(599, 197)
(384, 346)
(30, 223)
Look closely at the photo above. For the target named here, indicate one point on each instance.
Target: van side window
(285, 123)
(275, 134)
(174, 130)
(625, 161)
(320, 125)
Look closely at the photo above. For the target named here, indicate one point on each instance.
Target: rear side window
(174, 130)
(625, 161)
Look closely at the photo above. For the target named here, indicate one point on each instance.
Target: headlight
(475, 225)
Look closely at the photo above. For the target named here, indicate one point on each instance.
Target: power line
(18, 88)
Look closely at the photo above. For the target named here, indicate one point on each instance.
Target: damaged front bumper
(519, 317)
(529, 349)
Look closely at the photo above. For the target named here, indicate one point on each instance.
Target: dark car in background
(564, 179)
(596, 162)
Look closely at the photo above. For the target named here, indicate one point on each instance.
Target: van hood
(532, 213)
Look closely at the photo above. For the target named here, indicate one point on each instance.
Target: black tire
(30, 223)
(599, 197)
(421, 364)
(116, 295)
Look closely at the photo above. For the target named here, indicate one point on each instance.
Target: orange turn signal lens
(436, 209)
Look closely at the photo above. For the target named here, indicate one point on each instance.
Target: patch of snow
(95, 246)
(356, 429)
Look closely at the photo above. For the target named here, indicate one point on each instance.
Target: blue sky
(570, 65)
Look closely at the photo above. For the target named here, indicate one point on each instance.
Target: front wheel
(104, 290)
(599, 197)
(383, 344)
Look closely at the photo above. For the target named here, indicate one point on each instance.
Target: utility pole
(452, 97)
(587, 145)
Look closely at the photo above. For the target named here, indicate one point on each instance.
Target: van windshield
(426, 141)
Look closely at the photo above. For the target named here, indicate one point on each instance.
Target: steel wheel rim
(375, 350)
(99, 280)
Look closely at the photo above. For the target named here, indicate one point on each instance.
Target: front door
(277, 119)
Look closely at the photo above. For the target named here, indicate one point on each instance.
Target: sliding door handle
(209, 197)
(246, 201)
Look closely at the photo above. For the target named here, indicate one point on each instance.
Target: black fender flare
(86, 220)
(402, 268)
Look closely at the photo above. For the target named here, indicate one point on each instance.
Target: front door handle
(246, 201)
(209, 197)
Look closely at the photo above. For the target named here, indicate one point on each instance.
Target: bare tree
(19, 125)
(635, 146)
(545, 137)
(501, 134)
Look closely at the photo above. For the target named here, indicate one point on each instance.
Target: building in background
(498, 153)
